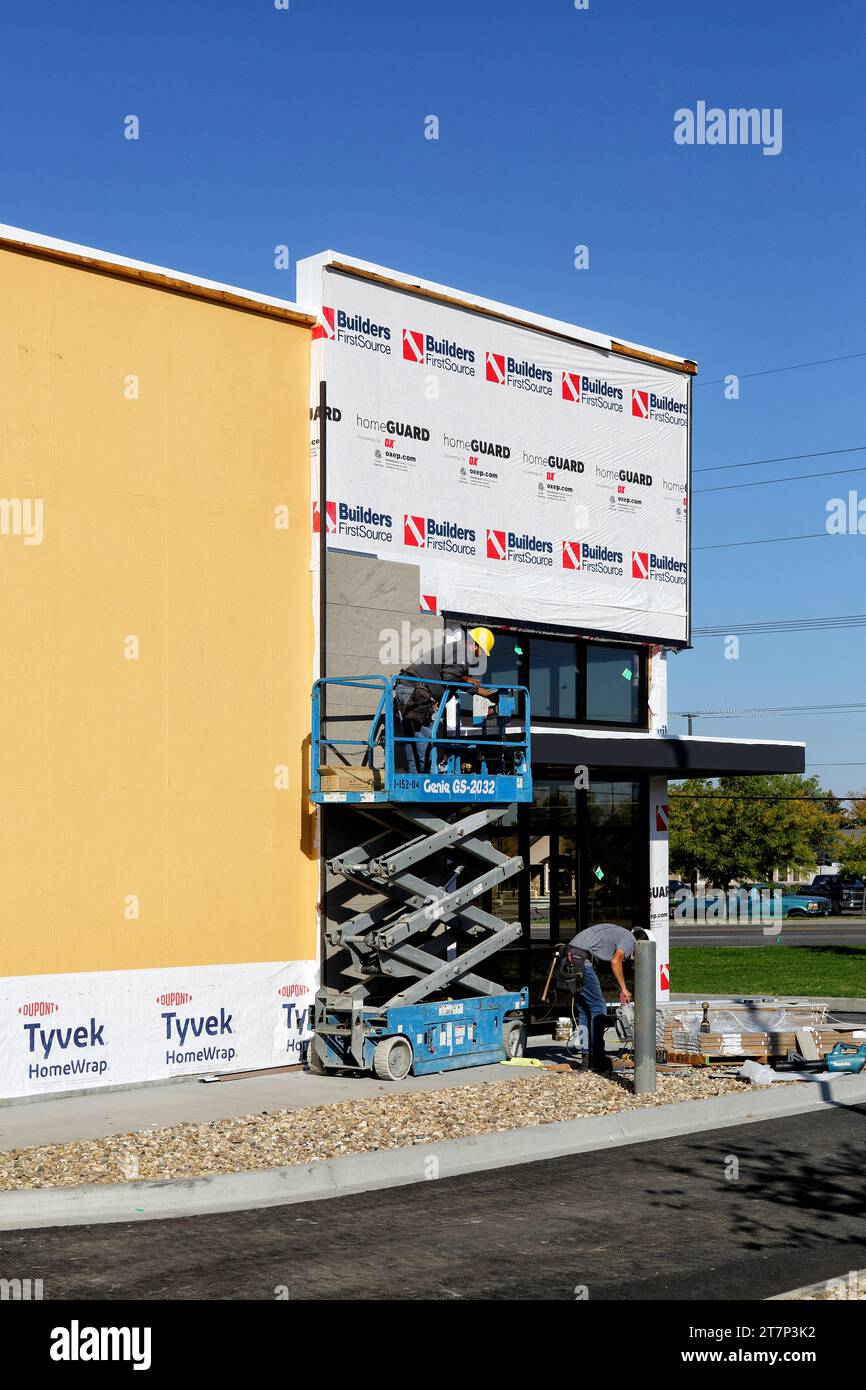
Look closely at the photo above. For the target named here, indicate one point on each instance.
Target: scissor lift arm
(399, 948)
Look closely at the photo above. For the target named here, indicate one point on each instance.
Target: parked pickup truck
(793, 902)
(751, 902)
(844, 891)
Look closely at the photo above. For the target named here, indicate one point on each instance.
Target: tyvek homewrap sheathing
(532, 472)
(120, 1027)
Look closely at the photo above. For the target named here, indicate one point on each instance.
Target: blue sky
(262, 126)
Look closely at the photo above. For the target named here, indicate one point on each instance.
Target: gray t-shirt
(603, 939)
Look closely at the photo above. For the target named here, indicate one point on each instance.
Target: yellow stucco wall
(152, 778)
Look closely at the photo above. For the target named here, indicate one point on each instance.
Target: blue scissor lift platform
(413, 999)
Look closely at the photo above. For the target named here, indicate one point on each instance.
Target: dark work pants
(416, 755)
(592, 1011)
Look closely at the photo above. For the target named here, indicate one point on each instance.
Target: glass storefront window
(613, 852)
(503, 663)
(538, 860)
(553, 679)
(575, 680)
(504, 898)
(612, 685)
(584, 855)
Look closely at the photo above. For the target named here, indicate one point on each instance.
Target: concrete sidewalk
(95, 1114)
(166, 1199)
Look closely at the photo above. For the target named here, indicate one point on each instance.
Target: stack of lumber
(760, 1033)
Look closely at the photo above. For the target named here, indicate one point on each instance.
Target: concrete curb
(821, 1287)
(149, 1201)
(849, 1006)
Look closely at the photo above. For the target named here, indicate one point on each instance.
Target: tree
(852, 854)
(690, 828)
(838, 809)
(747, 827)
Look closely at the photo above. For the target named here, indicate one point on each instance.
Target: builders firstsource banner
(529, 476)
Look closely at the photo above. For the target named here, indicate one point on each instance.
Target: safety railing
(472, 749)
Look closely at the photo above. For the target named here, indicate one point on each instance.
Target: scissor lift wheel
(393, 1059)
(513, 1037)
(314, 1062)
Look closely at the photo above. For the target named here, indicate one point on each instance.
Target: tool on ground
(413, 998)
(705, 1021)
(850, 1057)
(795, 1061)
(624, 1022)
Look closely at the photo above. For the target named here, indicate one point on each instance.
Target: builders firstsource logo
(588, 557)
(665, 569)
(355, 330)
(436, 533)
(425, 349)
(517, 373)
(579, 389)
(519, 548)
(59, 1049)
(647, 405)
(353, 520)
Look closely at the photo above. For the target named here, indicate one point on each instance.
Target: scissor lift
(418, 1002)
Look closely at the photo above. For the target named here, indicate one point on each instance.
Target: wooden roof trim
(159, 280)
(623, 349)
(626, 350)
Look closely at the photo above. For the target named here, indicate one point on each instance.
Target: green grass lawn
(832, 970)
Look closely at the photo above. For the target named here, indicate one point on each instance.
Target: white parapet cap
(89, 257)
(308, 279)
(648, 736)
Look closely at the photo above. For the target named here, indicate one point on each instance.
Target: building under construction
(211, 499)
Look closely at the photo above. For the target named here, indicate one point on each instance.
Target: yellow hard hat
(484, 637)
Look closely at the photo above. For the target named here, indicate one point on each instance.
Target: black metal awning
(664, 754)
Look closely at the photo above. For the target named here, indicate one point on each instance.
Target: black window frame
(525, 947)
(581, 645)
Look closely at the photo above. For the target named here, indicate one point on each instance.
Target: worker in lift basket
(451, 663)
(608, 942)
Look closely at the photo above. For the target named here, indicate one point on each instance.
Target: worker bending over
(418, 699)
(608, 942)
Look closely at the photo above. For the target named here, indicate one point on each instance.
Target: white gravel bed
(846, 1287)
(386, 1121)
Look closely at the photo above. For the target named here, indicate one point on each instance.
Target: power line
(774, 371)
(783, 625)
(815, 708)
(789, 478)
(782, 458)
(769, 540)
(722, 795)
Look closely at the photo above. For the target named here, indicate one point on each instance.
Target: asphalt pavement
(823, 931)
(737, 1213)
